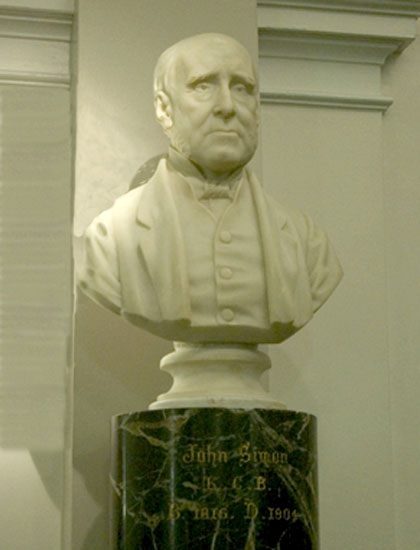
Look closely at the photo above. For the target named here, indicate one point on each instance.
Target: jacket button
(225, 236)
(226, 273)
(227, 315)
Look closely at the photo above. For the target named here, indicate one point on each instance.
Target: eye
(240, 87)
(202, 86)
(243, 88)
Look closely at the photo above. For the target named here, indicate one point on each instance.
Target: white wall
(31, 517)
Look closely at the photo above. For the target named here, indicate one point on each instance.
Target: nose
(224, 104)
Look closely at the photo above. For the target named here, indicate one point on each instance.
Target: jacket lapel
(280, 253)
(162, 246)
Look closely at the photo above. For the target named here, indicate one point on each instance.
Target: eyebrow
(197, 78)
(237, 77)
(245, 78)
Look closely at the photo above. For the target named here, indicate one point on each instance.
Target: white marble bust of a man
(200, 253)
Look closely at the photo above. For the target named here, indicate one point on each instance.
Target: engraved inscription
(259, 456)
(206, 455)
(285, 514)
(210, 458)
(174, 511)
(209, 483)
(203, 512)
(251, 510)
(261, 483)
(217, 513)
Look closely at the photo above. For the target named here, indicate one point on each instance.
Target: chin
(224, 162)
(222, 167)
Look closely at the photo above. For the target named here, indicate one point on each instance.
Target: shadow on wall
(50, 467)
(146, 171)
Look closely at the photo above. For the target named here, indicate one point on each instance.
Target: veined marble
(214, 479)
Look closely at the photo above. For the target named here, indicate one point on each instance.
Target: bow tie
(216, 191)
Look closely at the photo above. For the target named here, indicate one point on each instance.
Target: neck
(218, 177)
(186, 166)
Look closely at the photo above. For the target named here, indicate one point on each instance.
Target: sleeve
(99, 275)
(324, 268)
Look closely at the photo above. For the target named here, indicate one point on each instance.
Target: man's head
(206, 100)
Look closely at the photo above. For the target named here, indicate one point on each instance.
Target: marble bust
(200, 253)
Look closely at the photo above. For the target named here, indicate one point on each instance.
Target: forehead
(214, 57)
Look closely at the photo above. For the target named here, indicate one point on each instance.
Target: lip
(225, 132)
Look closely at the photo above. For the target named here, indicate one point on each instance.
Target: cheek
(196, 109)
(195, 122)
(248, 115)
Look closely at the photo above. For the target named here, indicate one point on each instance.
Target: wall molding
(362, 103)
(327, 46)
(330, 53)
(397, 7)
(35, 47)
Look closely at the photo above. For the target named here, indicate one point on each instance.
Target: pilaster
(36, 272)
(35, 216)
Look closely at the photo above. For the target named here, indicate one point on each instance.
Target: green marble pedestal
(214, 479)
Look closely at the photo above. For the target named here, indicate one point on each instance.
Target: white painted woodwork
(401, 135)
(36, 274)
(64, 6)
(36, 221)
(330, 54)
(398, 7)
(334, 146)
(35, 47)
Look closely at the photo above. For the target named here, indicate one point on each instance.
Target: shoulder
(147, 193)
(129, 200)
(120, 217)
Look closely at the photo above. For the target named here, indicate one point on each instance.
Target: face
(215, 106)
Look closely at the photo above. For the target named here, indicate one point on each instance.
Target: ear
(163, 110)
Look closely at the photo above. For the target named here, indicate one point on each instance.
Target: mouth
(226, 132)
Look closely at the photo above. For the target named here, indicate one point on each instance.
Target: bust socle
(201, 253)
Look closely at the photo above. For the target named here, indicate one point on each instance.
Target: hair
(165, 70)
